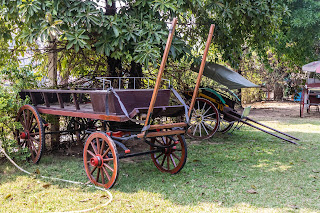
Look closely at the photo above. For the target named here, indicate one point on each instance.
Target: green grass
(216, 178)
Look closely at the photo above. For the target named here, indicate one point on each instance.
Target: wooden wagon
(121, 113)
(215, 110)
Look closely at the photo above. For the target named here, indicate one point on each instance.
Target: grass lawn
(219, 175)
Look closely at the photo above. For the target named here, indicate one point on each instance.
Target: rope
(68, 181)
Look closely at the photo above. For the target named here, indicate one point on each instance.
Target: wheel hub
(24, 135)
(199, 119)
(96, 161)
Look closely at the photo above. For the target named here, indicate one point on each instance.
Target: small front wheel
(101, 159)
(173, 158)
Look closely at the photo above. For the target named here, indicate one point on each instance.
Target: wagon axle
(24, 135)
(96, 161)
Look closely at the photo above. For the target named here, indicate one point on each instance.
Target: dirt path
(278, 110)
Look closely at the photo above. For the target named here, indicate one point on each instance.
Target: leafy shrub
(12, 80)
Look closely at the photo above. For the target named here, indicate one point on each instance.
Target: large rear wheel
(204, 121)
(31, 135)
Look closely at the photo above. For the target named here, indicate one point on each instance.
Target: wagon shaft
(232, 115)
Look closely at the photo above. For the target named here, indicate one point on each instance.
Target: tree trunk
(52, 64)
(114, 69)
(278, 91)
(52, 75)
(136, 71)
(111, 10)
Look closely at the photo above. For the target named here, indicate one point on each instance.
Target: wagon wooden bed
(121, 114)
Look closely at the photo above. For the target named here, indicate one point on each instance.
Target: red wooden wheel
(170, 159)
(101, 158)
(204, 121)
(31, 134)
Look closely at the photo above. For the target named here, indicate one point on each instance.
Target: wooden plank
(45, 98)
(161, 133)
(203, 63)
(75, 101)
(33, 99)
(163, 63)
(60, 100)
(164, 126)
(80, 114)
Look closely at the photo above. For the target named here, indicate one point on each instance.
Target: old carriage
(215, 108)
(123, 115)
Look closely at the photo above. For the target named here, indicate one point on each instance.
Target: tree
(136, 34)
(299, 38)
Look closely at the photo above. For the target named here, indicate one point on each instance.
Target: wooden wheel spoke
(199, 129)
(28, 119)
(168, 162)
(31, 121)
(34, 126)
(172, 160)
(24, 117)
(159, 155)
(195, 129)
(91, 153)
(159, 141)
(34, 133)
(94, 169)
(208, 125)
(209, 115)
(106, 172)
(98, 174)
(102, 147)
(211, 120)
(166, 139)
(109, 167)
(31, 151)
(204, 128)
(163, 160)
(94, 148)
(35, 140)
(31, 145)
(106, 152)
(204, 105)
(174, 154)
(107, 159)
(102, 176)
(206, 111)
(23, 120)
(98, 145)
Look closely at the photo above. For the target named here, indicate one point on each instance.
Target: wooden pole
(203, 63)
(161, 69)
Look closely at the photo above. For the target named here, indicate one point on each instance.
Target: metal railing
(125, 81)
